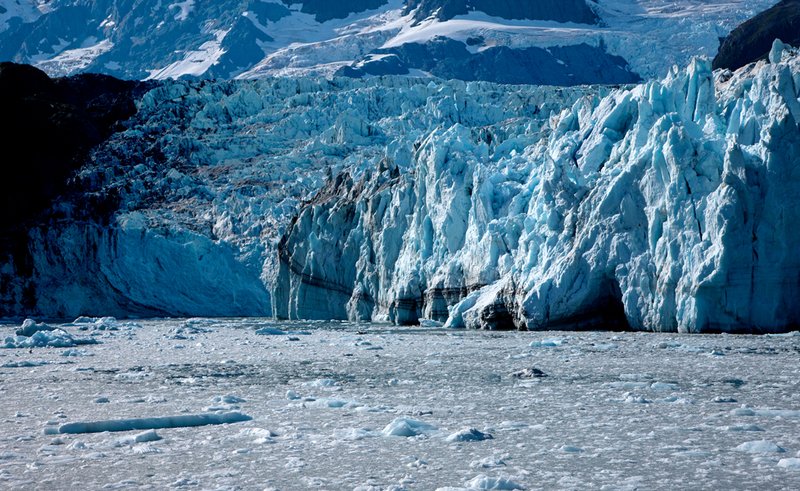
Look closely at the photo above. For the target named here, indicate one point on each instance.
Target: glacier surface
(665, 206)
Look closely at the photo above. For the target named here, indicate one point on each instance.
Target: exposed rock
(446, 58)
(325, 10)
(752, 40)
(576, 11)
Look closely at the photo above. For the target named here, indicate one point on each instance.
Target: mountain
(562, 42)
(666, 206)
(576, 11)
(752, 40)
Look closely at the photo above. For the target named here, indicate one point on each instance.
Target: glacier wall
(181, 212)
(664, 206)
(670, 206)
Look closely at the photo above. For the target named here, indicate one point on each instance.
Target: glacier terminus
(663, 206)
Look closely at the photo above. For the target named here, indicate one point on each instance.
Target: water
(621, 410)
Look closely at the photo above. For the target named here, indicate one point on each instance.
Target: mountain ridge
(263, 38)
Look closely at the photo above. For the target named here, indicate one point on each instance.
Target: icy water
(328, 401)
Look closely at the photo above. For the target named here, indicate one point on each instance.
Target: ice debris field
(258, 404)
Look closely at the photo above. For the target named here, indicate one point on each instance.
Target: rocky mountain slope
(753, 39)
(508, 41)
(668, 205)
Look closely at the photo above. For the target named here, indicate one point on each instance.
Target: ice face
(664, 207)
(207, 176)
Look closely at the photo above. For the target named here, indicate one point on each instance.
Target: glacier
(664, 206)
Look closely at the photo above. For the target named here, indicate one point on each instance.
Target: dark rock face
(49, 127)
(325, 10)
(450, 59)
(752, 40)
(557, 10)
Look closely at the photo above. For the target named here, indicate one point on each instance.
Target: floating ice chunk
(24, 364)
(101, 324)
(605, 346)
(354, 434)
(407, 427)
(488, 463)
(332, 403)
(144, 437)
(430, 323)
(635, 377)
(182, 421)
(532, 372)
(271, 331)
(743, 411)
(678, 400)
(546, 343)
(766, 413)
(791, 334)
(261, 435)
(30, 327)
(144, 448)
(628, 385)
(76, 352)
(228, 399)
(790, 463)
(631, 398)
(485, 482)
(42, 339)
(778, 413)
(469, 435)
(322, 382)
(77, 445)
(760, 446)
(744, 428)
(664, 386)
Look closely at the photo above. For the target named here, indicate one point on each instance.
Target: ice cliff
(205, 177)
(670, 206)
(665, 206)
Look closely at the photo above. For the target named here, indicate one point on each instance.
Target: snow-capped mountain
(670, 205)
(561, 42)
